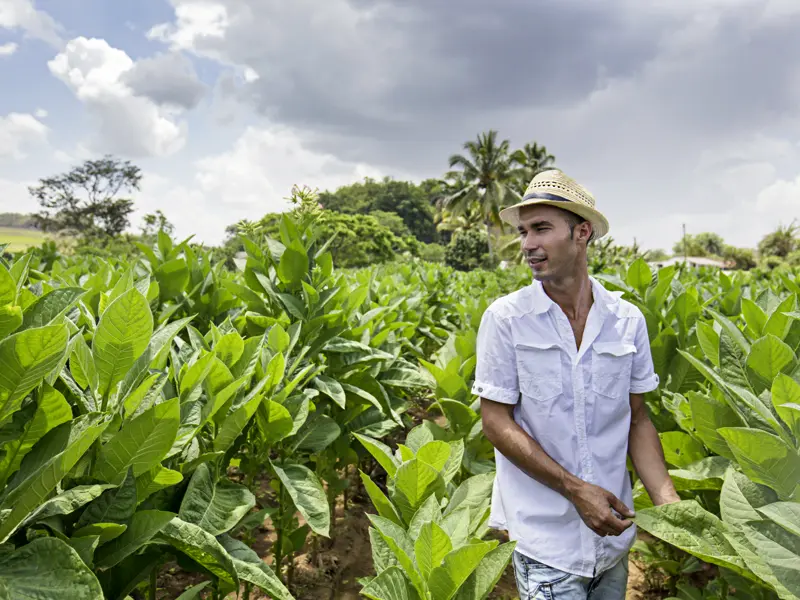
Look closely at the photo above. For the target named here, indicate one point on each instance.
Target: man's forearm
(647, 456)
(528, 455)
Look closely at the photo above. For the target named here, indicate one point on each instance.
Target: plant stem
(279, 531)
(154, 583)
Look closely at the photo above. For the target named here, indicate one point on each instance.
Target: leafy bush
(468, 250)
(434, 253)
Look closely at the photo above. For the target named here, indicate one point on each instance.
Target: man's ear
(586, 231)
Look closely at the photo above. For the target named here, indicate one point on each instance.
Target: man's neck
(573, 294)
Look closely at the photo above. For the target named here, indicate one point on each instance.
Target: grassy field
(20, 239)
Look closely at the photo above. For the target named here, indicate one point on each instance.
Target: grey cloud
(629, 96)
(167, 79)
(428, 74)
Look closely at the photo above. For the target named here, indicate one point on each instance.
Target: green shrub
(468, 250)
(434, 253)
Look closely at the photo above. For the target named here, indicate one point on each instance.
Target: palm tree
(535, 159)
(487, 179)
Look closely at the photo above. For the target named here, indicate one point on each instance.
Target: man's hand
(595, 504)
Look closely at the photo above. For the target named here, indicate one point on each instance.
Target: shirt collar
(605, 300)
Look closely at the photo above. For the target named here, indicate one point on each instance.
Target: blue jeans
(536, 581)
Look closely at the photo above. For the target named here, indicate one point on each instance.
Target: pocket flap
(537, 345)
(614, 348)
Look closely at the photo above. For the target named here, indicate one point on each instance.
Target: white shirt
(575, 404)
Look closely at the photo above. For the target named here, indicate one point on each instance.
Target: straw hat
(553, 188)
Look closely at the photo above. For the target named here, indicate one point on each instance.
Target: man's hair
(573, 220)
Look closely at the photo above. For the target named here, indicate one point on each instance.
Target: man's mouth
(533, 260)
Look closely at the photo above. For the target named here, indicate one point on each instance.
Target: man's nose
(529, 242)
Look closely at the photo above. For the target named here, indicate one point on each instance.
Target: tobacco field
(156, 415)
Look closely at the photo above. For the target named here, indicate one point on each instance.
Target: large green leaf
(414, 482)
(216, 506)
(47, 568)
(681, 449)
(379, 500)
(172, 276)
(430, 548)
(380, 452)
(786, 400)
(8, 286)
(457, 567)
(485, 577)
(754, 316)
(390, 584)
(293, 265)
(141, 444)
(143, 526)
(765, 458)
(122, 335)
(331, 388)
(688, 526)
(202, 547)
(10, 319)
(639, 275)
(115, 505)
(51, 411)
(251, 568)
(45, 466)
(768, 357)
(780, 550)
(709, 415)
(66, 502)
(308, 496)
(785, 514)
(403, 549)
(50, 306)
(316, 434)
(25, 360)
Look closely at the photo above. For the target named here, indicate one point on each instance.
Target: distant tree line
(452, 219)
(18, 220)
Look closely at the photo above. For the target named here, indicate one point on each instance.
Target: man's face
(546, 243)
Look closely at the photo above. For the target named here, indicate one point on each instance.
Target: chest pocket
(611, 368)
(539, 370)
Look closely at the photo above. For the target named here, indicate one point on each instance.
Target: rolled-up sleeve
(643, 375)
(496, 368)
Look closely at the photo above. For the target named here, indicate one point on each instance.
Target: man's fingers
(619, 506)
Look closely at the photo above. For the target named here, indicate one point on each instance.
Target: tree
(781, 242)
(702, 244)
(404, 198)
(155, 222)
(84, 201)
(534, 159)
(487, 177)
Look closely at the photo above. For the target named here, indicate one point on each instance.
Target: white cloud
(8, 49)
(14, 197)
(781, 200)
(21, 14)
(195, 20)
(127, 124)
(40, 113)
(253, 178)
(20, 132)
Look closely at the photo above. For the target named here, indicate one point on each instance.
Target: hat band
(545, 196)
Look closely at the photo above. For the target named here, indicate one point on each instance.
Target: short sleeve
(496, 368)
(643, 375)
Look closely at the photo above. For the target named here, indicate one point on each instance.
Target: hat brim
(599, 223)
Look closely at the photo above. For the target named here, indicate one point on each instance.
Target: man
(562, 365)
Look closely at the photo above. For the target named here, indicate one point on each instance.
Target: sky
(670, 112)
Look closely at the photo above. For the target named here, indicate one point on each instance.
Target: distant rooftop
(696, 261)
